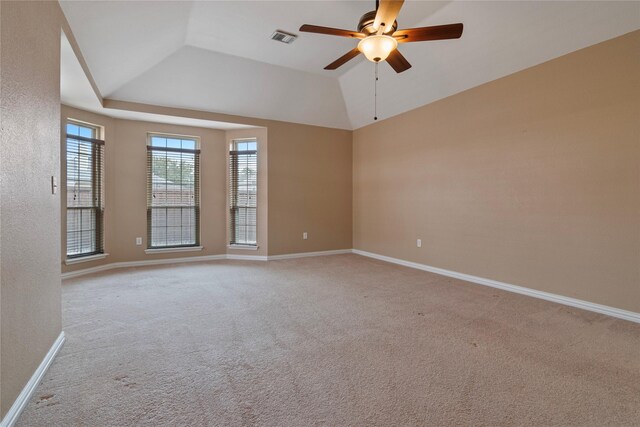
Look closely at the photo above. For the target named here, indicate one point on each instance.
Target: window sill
(244, 247)
(171, 250)
(88, 258)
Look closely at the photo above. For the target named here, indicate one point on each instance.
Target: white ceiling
(76, 91)
(217, 56)
(258, 19)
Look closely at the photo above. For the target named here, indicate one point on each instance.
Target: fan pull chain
(375, 95)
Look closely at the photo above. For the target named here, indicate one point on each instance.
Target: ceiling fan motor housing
(366, 24)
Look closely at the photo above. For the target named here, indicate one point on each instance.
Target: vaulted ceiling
(218, 56)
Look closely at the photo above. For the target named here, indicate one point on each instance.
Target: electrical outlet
(304, 235)
(138, 241)
(419, 243)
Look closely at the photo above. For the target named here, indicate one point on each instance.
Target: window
(243, 189)
(85, 210)
(173, 191)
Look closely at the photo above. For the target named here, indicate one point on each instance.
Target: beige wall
(126, 187)
(309, 179)
(130, 185)
(304, 185)
(30, 309)
(533, 179)
(309, 188)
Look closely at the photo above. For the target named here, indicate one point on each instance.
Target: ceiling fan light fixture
(377, 47)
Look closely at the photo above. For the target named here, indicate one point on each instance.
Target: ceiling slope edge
(76, 92)
(67, 33)
(489, 49)
(196, 79)
(492, 81)
(167, 110)
(107, 103)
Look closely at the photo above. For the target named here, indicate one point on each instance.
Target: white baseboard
(573, 302)
(147, 262)
(143, 263)
(167, 261)
(309, 254)
(246, 257)
(76, 273)
(25, 395)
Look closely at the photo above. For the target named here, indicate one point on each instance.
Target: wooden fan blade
(331, 31)
(386, 14)
(343, 59)
(398, 62)
(438, 32)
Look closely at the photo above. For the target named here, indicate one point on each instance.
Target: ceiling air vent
(283, 36)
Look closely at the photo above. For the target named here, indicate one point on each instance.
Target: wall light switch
(138, 241)
(419, 243)
(304, 236)
(54, 185)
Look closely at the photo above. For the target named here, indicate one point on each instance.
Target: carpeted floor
(338, 340)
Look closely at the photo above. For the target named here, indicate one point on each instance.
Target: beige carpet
(338, 340)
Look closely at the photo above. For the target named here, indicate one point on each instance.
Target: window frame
(232, 192)
(97, 189)
(197, 191)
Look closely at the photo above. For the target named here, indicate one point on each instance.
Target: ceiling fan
(379, 36)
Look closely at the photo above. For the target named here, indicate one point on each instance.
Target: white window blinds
(243, 191)
(85, 210)
(173, 192)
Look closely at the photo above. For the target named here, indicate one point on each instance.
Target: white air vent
(283, 36)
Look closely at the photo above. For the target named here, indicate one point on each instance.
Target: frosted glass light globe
(377, 47)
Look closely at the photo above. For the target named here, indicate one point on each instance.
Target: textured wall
(308, 185)
(30, 215)
(129, 181)
(126, 187)
(309, 188)
(533, 179)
